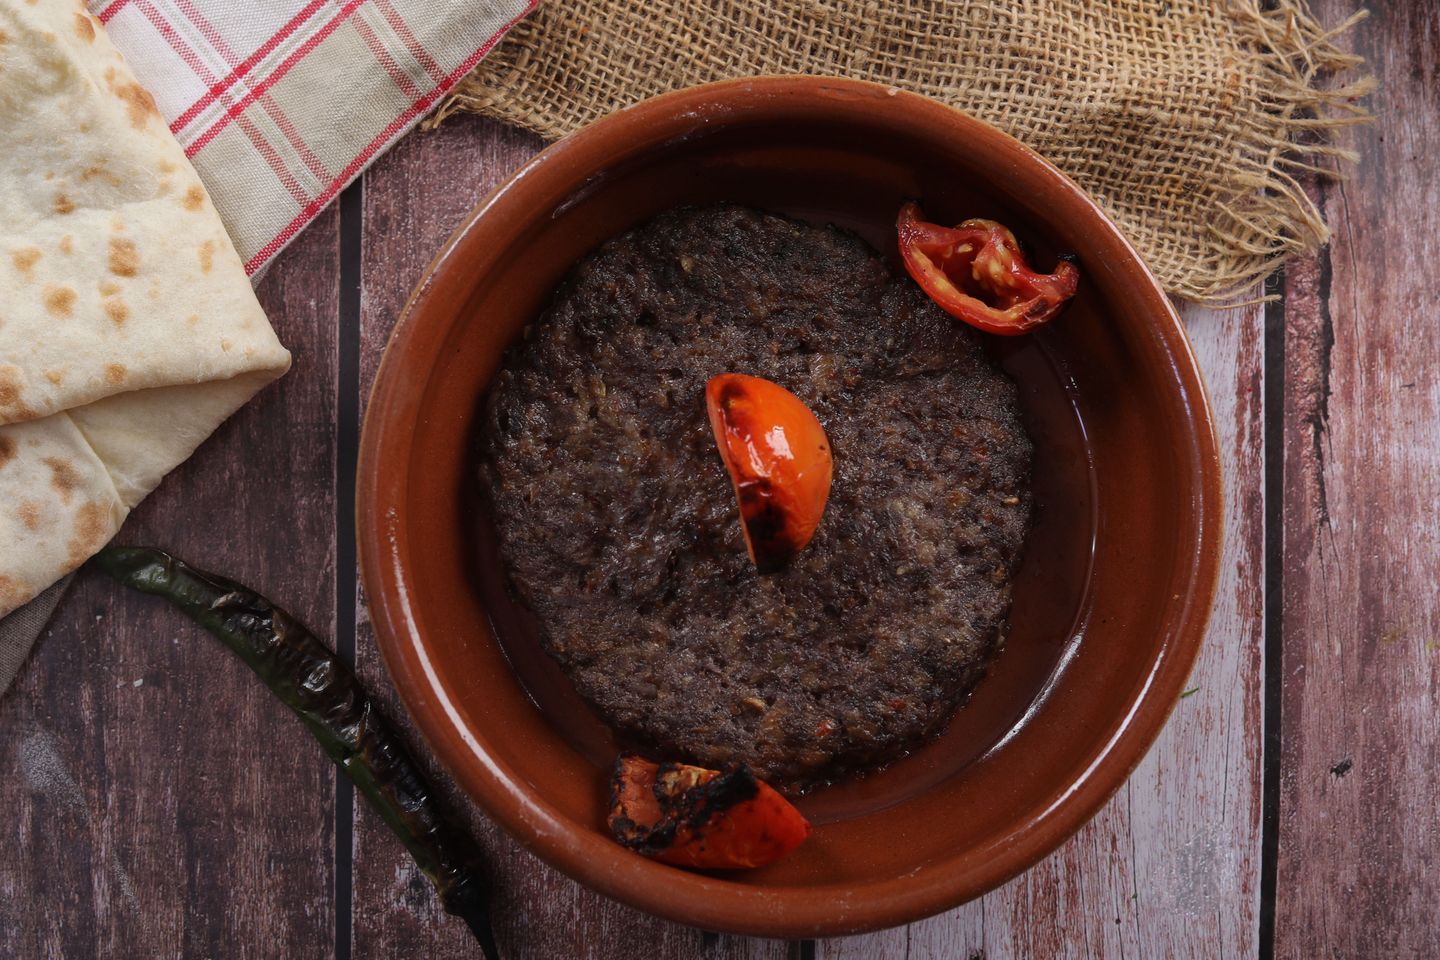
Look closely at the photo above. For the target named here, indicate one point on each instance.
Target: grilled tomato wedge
(977, 273)
(779, 462)
(693, 817)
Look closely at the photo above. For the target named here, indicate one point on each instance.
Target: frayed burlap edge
(1270, 218)
(1264, 216)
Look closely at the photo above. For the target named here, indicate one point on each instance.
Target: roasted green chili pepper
(319, 687)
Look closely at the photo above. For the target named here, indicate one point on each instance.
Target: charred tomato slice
(707, 819)
(779, 462)
(977, 273)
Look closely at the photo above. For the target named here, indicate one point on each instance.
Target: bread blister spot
(92, 529)
(59, 301)
(116, 310)
(194, 197)
(84, 29)
(64, 479)
(138, 103)
(67, 244)
(63, 204)
(7, 449)
(29, 515)
(25, 258)
(124, 258)
(207, 256)
(98, 172)
(115, 374)
(12, 381)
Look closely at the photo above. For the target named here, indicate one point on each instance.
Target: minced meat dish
(620, 530)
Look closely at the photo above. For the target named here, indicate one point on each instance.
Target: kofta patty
(621, 532)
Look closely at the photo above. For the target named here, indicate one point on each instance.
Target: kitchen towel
(279, 104)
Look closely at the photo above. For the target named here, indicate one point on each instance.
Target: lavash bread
(128, 328)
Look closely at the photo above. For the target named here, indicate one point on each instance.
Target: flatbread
(128, 328)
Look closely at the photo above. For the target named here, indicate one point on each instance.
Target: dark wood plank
(1171, 866)
(159, 802)
(1359, 842)
(414, 197)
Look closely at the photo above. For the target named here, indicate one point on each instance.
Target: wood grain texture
(1359, 842)
(1170, 867)
(160, 803)
(414, 198)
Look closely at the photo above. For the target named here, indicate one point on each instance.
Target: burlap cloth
(1187, 120)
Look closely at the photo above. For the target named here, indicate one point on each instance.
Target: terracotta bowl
(1110, 602)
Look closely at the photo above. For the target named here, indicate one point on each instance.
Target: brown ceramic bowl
(1110, 601)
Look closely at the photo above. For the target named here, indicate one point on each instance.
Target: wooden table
(163, 805)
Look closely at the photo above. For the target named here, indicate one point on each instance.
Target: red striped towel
(281, 103)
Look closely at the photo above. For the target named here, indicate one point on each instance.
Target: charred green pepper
(325, 693)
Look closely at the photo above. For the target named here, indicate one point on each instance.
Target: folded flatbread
(128, 329)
